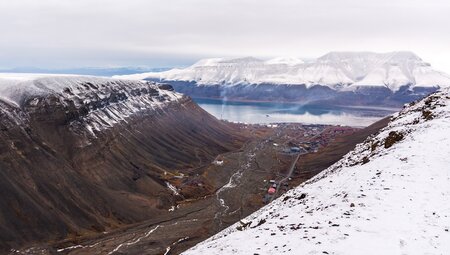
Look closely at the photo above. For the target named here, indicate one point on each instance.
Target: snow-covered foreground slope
(391, 195)
(337, 70)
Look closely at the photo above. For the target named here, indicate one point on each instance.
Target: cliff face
(80, 155)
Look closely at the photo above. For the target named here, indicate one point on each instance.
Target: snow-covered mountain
(391, 195)
(96, 103)
(17, 87)
(337, 70)
(337, 78)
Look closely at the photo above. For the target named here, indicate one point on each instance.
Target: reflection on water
(269, 112)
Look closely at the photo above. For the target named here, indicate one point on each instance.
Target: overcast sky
(156, 33)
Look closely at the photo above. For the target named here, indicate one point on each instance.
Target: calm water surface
(269, 112)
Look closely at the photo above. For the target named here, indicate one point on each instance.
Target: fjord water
(275, 112)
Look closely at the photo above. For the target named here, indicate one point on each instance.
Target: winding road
(280, 183)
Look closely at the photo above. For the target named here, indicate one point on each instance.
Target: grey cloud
(156, 32)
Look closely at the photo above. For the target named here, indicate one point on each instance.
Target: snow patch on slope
(391, 195)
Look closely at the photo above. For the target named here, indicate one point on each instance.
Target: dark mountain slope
(310, 165)
(86, 155)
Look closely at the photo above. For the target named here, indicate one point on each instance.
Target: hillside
(388, 196)
(337, 78)
(82, 155)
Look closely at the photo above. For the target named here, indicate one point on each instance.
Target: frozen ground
(391, 195)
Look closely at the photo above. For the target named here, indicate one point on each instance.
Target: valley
(238, 181)
(102, 166)
(224, 127)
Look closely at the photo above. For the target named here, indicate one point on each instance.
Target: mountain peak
(291, 61)
(405, 55)
(337, 55)
(346, 55)
(226, 61)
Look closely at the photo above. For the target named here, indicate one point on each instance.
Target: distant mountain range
(337, 78)
(97, 71)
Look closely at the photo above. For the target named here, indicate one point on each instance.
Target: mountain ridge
(337, 70)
